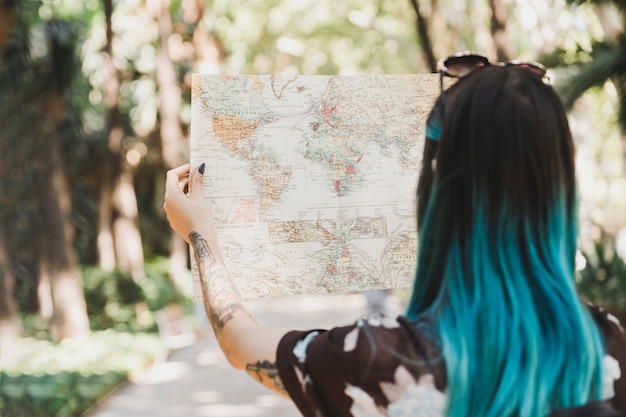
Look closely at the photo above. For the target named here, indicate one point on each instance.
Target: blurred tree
(57, 256)
(34, 80)
(119, 240)
(498, 29)
(424, 36)
(10, 324)
(424, 27)
(174, 153)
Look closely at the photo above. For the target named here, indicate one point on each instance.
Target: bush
(116, 301)
(67, 378)
(111, 299)
(602, 281)
(158, 289)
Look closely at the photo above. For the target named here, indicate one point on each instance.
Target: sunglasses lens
(460, 66)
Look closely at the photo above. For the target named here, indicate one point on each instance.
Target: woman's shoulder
(367, 338)
(378, 362)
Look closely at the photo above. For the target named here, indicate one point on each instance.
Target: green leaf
(607, 61)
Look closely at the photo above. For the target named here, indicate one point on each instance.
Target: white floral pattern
(377, 320)
(615, 321)
(299, 351)
(362, 404)
(349, 342)
(611, 372)
(410, 398)
(419, 401)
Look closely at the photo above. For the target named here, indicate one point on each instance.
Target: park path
(197, 381)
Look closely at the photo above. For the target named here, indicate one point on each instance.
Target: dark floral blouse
(392, 367)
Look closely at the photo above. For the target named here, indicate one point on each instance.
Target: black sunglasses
(462, 63)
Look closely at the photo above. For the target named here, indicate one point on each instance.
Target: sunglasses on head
(462, 63)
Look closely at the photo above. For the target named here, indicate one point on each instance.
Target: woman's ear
(433, 164)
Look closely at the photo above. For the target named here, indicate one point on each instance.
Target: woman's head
(505, 136)
(503, 132)
(496, 252)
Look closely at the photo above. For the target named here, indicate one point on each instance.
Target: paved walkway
(197, 381)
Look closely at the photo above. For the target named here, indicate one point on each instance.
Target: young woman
(494, 326)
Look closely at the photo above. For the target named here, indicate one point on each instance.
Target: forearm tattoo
(221, 297)
(267, 374)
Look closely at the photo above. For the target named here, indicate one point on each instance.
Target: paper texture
(312, 179)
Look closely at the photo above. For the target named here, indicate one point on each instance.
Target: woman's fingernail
(201, 168)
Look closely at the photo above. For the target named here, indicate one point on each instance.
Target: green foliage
(37, 70)
(111, 299)
(316, 37)
(116, 301)
(66, 379)
(158, 289)
(603, 279)
(593, 65)
(608, 61)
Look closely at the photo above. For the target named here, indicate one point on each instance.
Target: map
(312, 179)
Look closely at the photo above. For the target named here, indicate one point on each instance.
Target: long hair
(497, 246)
(433, 134)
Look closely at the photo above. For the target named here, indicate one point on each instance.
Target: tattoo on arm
(267, 374)
(221, 297)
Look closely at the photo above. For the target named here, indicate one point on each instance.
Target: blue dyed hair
(498, 226)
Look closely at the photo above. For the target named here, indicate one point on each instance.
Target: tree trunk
(128, 244)
(119, 239)
(56, 247)
(10, 325)
(422, 31)
(7, 23)
(172, 136)
(498, 30)
(104, 241)
(110, 162)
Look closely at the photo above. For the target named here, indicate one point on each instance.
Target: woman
(494, 326)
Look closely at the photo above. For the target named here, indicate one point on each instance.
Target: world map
(312, 179)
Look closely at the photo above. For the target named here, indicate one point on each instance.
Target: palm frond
(608, 60)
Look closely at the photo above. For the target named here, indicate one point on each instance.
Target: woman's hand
(185, 206)
(245, 344)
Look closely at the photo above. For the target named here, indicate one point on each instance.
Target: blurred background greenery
(95, 107)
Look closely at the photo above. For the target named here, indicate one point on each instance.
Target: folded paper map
(312, 179)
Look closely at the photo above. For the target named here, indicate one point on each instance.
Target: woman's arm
(246, 344)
